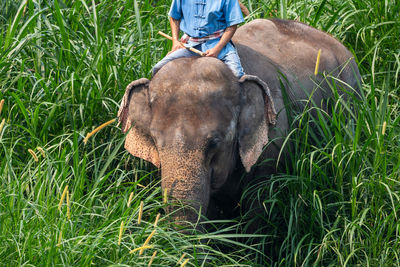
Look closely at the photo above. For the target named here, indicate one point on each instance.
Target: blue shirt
(200, 18)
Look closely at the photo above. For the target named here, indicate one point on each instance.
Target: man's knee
(174, 55)
(232, 60)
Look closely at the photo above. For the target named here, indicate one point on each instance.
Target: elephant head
(195, 120)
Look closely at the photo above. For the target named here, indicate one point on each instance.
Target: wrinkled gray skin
(204, 128)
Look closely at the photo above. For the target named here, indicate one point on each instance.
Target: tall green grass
(336, 201)
(63, 69)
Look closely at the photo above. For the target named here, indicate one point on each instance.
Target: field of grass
(64, 66)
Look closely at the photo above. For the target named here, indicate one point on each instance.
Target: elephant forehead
(194, 120)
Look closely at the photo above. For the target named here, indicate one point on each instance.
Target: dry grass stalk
(1, 105)
(33, 154)
(62, 197)
(97, 129)
(156, 221)
(41, 151)
(152, 258)
(130, 199)
(68, 207)
(383, 128)
(121, 230)
(317, 63)
(59, 239)
(165, 198)
(139, 220)
(26, 6)
(181, 258)
(147, 241)
(3, 121)
(140, 248)
(185, 262)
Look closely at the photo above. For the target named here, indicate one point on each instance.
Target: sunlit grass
(63, 69)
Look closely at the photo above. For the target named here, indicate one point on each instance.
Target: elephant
(205, 128)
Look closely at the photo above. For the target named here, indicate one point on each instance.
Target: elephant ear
(134, 115)
(256, 116)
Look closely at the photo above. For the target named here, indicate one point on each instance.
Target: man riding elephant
(208, 27)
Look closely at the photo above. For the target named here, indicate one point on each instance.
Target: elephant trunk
(187, 182)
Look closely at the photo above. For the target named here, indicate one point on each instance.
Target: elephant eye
(212, 143)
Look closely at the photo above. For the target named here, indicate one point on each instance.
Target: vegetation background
(64, 66)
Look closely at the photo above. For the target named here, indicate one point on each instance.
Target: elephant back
(271, 48)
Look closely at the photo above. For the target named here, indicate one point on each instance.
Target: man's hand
(213, 52)
(175, 46)
(225, 38)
